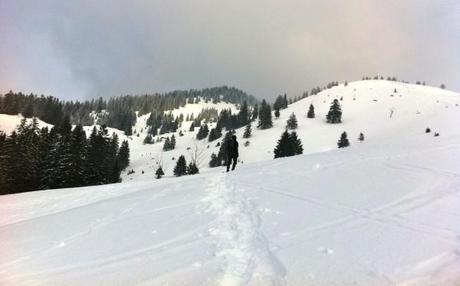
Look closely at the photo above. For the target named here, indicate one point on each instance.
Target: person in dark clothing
(232, 153)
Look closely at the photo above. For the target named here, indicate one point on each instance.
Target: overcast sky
(90, 48)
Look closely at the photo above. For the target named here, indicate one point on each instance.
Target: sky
(85, 49)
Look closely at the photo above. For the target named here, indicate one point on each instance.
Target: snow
(381, 212)
(8, 123)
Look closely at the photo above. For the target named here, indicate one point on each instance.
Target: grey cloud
(82, 49)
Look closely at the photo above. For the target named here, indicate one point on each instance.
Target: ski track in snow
(238, 238)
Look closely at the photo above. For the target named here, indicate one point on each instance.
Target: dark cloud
(81, 49)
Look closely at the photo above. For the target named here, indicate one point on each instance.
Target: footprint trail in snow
(238, 238)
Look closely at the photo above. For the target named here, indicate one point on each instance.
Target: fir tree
(169, 144)
(192, 169)
(9, 171)
(173, 142)
(192, 126)
(123, 155)
(292, 122)
(243, 115)
(361, 137)
(212, 135)
(96, 146)
(288, 145)
(247, 131)
(335, 113)
(277, 113)
(159, 172)
(311, 111)
(255, 112)
(148, 139)
(181, 167)
(298, 148)
(343, 141)
(112, 170)
(203, 132)
(78, 157)
(265, 116)
(284, 147)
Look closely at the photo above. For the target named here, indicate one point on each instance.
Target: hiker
(232, 153)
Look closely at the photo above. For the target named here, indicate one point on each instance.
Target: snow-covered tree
(265, 116)
(291, 123)
(335, 113)
(247, 131)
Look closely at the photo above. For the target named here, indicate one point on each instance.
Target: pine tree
(298, 148)
(265, 116)
(292, 122)
(247, 131)
(284, 147)
(159, 172)
(96, 151)
(167, 144)
(335, 113)
(192, 126)
(112, 170)
(123, 155)
(181, 167)
(343, 141)
(243, 115)
(9, 171)
(311, 111)
(78, 156)
(172, 142)
(361, 137)
(148, 139)
(28, 111)
(192, 169)
(277, 113)
(255, 112)
(288, 145)
(212, 135)
(203, 132)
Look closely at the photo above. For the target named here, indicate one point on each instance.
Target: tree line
(36, 159)
(117, 112)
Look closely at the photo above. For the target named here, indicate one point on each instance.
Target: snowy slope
(8, 123)
(374, 214)
(381, 212)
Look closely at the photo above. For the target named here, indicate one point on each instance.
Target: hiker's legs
(235, 159)
(229, 161)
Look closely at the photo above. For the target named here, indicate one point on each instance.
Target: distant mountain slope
(367, 107)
